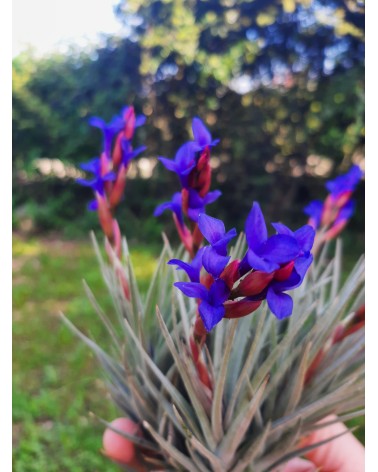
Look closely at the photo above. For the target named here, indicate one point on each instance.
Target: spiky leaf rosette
(272, 380)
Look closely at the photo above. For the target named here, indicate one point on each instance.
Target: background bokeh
(280, 82)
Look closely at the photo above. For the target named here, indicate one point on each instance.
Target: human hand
(343, 454)
(120, 449)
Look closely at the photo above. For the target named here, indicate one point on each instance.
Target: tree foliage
(225, 39)
(280, 82)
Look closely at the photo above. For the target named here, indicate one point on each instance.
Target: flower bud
(207, 280)
(104, 216)
(129, 118)
(185, 200)
(231, 273)
(352, 324)
(204, 173)
(342, 199)
(117, 151)
(104, 164)
(203, 373)
(199, 330)
(117, 238)
(336, 229)
(253, 284)
(284, 272)
(240, 308)
(118, 187)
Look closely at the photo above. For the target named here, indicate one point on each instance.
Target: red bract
(200, 177)
(253, 283)
(110, 172)
(192, 166)
(105, 216)
(130, 118)
(347, 327)
(238, 309)
(284, 273)
(117, 151)
(231, 273)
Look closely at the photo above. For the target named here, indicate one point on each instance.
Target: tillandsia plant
(109, 179)
(330, 217)
(217, 367)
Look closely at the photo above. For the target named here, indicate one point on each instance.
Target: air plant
(217, 367)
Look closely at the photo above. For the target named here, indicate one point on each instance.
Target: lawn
(55, 377)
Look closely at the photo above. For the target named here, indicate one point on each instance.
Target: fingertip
(117, 447)
(299, 465)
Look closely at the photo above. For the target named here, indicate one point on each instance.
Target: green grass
(55, 377)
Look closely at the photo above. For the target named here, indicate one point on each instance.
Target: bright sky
(50, 24)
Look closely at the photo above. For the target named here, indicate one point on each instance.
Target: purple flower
(139, 119)
(335, 211)
(280, 303)
(202, 137)
(184, 162)
(346, 212)
(215, 256)
(345, 183)
(186, 157)
(128, 152)
(289, 264)
(266, 254)
(197, 204)
(341, 220)
(211, 308)
(109, 130)
(193, 268)
(314, 210)
(175, 205)
(304, 236)
(98, 182)
(116, 124)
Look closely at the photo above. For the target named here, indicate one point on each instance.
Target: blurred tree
(280, 82)
(53, 98)
(277, 80)
(264, 39)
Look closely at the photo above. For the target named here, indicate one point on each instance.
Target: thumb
(343, 454)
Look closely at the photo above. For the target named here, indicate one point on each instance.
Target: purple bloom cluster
(333, 214)
(344, 183)
(97, 183)
(116, 154)
(186, 159)
(192, 166)
(213, 259)
(109, 179)
(271, 266)
(124, 123)
(109, 170)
